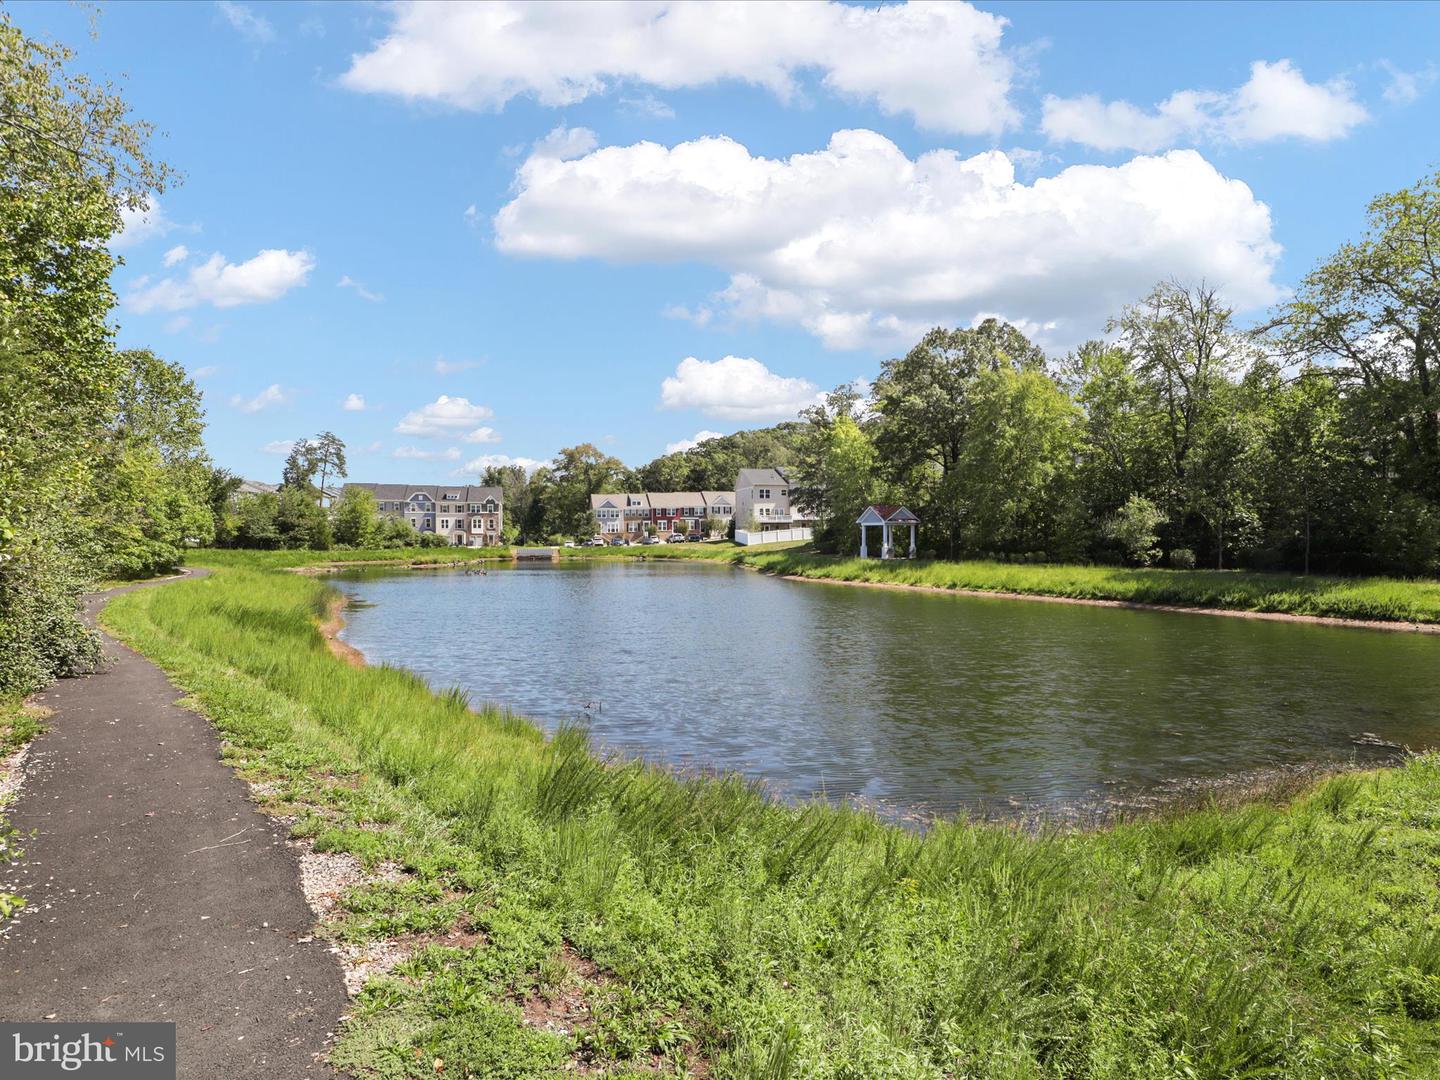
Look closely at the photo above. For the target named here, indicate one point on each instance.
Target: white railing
(748, 538)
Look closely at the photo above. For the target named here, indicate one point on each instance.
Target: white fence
(774, 536)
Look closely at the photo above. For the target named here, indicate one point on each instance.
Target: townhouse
(629, 514)
(466, 514)
(763, 502)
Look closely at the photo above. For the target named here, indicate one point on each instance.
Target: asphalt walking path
(159, 891)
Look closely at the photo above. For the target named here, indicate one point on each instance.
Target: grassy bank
(620, 920)
(1380, 599)
(282, 560)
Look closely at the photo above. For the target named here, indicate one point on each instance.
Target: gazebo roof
(885, 514)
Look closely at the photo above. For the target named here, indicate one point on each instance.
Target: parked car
(595, 541)
(569, 543)
(652, 540)
(676, 538)
(619, 541)
(695, 537)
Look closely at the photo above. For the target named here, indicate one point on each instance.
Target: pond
(910, 701)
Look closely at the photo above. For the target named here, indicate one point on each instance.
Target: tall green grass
(1389, 599)
(771, 941)
(279, 560)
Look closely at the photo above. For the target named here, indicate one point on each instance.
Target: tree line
(102, 468)
(1309, 442)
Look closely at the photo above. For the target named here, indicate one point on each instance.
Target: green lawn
(689, 924)
(1352, 598)
(1385, 599)
(278, 560)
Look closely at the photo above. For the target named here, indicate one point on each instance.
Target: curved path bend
(157, 891)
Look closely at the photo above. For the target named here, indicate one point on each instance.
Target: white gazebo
(887, 517)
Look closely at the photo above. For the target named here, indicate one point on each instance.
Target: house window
(782, 493)
(762, 493)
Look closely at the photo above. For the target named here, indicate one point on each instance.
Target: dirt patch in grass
(330, 630)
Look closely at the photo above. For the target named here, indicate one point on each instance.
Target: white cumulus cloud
(863, 246)
(415, 453)
(691, 443)
(444, 418)
(941, 63)
(279, 446)
(354, 403)
(267, 277)
(736, 388)
(271, 396)
(1276, 102)
(481, 435)
(177, 254)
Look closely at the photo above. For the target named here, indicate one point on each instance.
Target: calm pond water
(909, 700)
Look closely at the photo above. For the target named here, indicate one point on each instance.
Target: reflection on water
(903, 698)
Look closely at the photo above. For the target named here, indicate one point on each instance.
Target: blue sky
(496, 231)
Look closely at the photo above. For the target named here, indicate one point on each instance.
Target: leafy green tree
(1372, 311)
(1120, 453)
(1016, 468)
(1221, 482)
(71, 159)
(1132, 530)
(577, 473)
(517, 497)
(327, 453)
(1186, 350)
(151, 475)
(1308, 468)
(254, 521)
(355, 517)
(222, 487)
(300, 468)
(926, 403)
(299, 521)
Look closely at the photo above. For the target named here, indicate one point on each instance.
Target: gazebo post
(912, 540)
(863, 553)
(885, 544)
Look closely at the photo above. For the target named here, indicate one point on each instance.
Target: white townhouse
(720, 505)
(763, 497)
(466, 514)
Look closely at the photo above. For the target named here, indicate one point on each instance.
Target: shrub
(1133, 529)
(1182, 559)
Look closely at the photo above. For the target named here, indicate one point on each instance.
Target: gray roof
(760, 478)
(255, 487)
(614, 498)
(713, 498)
(466, 493)
(672, 500)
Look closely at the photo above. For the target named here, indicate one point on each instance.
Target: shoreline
(1392, 625)
(1339, 621)
(330, 628)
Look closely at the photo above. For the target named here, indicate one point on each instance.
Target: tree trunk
(1307, 539)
